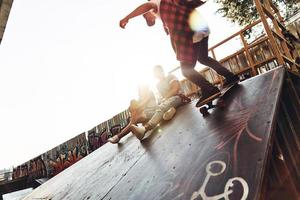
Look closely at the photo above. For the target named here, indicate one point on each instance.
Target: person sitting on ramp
(140, 110)
(171, 98)
(190, 43)
(150, 115)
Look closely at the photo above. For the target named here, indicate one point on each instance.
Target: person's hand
(123, 22)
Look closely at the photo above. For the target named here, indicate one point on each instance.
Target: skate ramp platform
(233, 153)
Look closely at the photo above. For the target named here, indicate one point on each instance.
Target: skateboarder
(171, 98)
(189, 45)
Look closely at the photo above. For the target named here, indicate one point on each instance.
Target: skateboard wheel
(204, 111)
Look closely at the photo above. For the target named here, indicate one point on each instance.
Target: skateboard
(206, 106)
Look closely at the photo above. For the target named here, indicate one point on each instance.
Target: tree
(244, 12)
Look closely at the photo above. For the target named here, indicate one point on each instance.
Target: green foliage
(244, 12)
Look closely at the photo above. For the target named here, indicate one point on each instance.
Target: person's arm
(175, 87)
(138, 11)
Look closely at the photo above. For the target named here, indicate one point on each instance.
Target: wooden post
(274, 46)
(248, 55)
(284, 44)
(213, 53)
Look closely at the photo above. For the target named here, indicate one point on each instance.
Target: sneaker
(231, 81)
(207, 96)
(169, 114)
(138, 131)
(114, 140)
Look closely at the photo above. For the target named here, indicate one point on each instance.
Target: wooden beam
(273, 43)
(248, 55)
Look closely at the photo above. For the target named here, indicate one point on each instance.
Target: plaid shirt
(175, 16)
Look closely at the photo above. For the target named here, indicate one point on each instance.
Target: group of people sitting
(147, 111)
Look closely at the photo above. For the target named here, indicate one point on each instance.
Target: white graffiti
(227, 190)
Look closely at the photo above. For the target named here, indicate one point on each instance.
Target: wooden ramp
(223, 156)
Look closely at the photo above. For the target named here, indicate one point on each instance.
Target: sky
(66, 66)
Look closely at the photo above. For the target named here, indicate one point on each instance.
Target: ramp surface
(223, 155)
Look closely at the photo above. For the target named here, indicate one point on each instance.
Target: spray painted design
(228, 189)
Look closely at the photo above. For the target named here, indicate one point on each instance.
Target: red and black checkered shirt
(175, 16)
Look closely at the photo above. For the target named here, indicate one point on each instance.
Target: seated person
(172, 97)
(141, 111)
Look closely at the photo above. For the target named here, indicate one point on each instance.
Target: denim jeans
(201, 49)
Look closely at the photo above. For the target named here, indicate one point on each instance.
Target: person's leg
(172, 102)
(116, 138)
(202, 51)
(191, 74)
(169, 114)
(139, 131)
(175, 102)
(208, 91)
(136, 117)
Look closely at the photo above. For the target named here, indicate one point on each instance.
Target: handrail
(235, 34)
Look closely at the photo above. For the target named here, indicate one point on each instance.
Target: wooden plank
(280, 24)
(268, 12)
(259, 64)
(278, 35)
(267, 28)
(282, 38)
(273, 6)
(287, 59)
(249, 58)
(99, 171)
(173, 162)
(235, 34)
(258, 42)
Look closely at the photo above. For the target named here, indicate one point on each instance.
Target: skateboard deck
(207, 105)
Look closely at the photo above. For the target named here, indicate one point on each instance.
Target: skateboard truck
(219, 104)
(204, 109)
